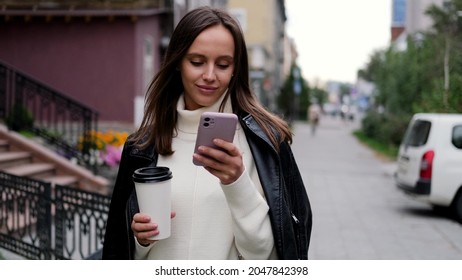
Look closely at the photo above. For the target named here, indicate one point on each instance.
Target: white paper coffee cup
(153, 191)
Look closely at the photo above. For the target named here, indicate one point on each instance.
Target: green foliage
(389, 151)
(291, 105)
(20, 118)
(425, 77)
(304, 101)
(319, 95)
(393, 129)
(27, 134)
(295, 106)
(419, 78)
(285, 98)
(387, 129)
(371, 124)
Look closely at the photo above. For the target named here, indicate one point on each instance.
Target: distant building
(181, 7)
(263, 23)
(398, 22)
(411, 21)
(333, 90)
(416, 20)
(365, 94)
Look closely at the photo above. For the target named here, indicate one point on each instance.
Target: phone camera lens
(206, 124)
(207, 119)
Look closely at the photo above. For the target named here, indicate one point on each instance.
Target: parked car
(430, 160)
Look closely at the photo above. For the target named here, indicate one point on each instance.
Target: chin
(206, 101)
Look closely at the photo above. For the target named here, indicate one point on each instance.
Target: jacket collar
(248, 121)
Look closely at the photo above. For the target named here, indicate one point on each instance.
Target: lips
(206, 88)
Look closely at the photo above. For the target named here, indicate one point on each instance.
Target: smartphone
(215, 125)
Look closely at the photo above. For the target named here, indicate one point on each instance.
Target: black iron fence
(42, 221)
(29, 105)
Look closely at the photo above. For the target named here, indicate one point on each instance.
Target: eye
(196, 63)
(223, 66)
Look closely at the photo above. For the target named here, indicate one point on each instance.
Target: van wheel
(457, 206)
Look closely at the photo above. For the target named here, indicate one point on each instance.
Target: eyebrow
(190, 55)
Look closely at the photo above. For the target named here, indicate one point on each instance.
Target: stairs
(26, 158)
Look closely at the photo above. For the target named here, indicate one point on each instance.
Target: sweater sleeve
(141, 252)
(251, 223)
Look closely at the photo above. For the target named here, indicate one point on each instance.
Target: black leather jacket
(290, 210)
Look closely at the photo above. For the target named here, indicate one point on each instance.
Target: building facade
(409, 18)
(398, 21)
(416, 20)
(263, 23)
(102, 56)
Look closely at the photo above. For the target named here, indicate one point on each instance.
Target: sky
(335, 38)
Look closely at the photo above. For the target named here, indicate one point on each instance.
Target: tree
(292, 104)
(425, 77)
(318, 95)
(447, 28)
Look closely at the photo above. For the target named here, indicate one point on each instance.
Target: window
(417, 134)
(457, 136)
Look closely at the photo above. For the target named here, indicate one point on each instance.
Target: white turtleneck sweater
(213, 221)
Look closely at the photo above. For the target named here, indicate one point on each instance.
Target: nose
(209, 74)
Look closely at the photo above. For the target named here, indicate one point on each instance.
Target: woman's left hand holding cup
(144, 229)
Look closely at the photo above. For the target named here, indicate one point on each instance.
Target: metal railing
(41, 221)
(29, 105)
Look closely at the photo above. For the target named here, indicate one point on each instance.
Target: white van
(430, 160)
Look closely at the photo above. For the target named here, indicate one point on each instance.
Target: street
(358, 212)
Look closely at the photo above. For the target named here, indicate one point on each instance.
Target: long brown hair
(159, 122)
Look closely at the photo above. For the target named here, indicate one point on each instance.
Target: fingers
(143, 229)
(228, 146)
(226, 165)
(141, 218)
(222, 156)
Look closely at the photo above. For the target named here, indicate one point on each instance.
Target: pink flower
(111, 155)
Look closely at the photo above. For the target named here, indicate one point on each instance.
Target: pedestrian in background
(314, 114)
(249, 200)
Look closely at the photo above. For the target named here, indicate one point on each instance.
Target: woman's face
(207, 67)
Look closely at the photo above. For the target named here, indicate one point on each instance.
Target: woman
(248, 201)
(314, 113)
